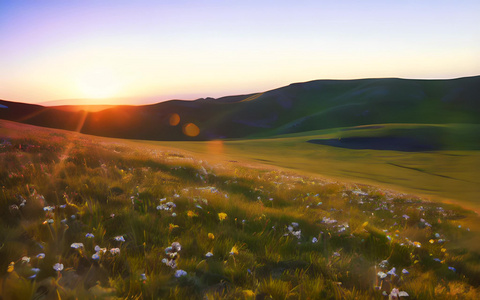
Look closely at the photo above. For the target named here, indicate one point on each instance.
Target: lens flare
(174, 119)
(190, 129)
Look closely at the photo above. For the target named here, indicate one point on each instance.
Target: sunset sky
(149, 51)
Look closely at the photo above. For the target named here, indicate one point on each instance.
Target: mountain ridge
(298, 107)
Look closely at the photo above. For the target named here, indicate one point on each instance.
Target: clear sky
(157, 50)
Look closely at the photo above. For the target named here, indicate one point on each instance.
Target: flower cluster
(172, 254)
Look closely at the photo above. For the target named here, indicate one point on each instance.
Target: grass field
(449, 174)
(86, 217)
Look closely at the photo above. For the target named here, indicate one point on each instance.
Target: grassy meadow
(95, 218)
(448, 174)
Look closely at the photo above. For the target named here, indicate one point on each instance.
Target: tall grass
(268, 233)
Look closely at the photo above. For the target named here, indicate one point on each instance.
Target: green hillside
(450, 174)
(299, 107)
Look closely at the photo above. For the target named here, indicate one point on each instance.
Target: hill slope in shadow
(298, 107)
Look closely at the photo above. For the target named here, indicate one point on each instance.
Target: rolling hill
(299, 107)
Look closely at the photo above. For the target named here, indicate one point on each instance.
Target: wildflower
(404, 271)
(191, 214)
(48, 221)
(174, 214)
(432, 241)
(143, 276)
(41, 255)
(314, 240)
(211, 236)
(222, 216)
(98, 249)
(96, 256)
(119, 238)
(180, 273)
(49, 208)
(406, 217)
(452, 269)
(58, 267)
(383, 263)
(336, 254)
(234, 250)
(403, 294)
(11, 267)
(25, 259)
(35, 270)
(115, 251)
(392, 272)
(198, 206)
(89, 235)
(248, 293)
(77, 245)
(209, 254)
(176, 246)
(394, 293)
(294, 224)
(381, 275)
(172, 226)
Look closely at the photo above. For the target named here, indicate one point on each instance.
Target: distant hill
(299, 107)
(89, 108)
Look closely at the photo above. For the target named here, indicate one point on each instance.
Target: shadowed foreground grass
(84, 217)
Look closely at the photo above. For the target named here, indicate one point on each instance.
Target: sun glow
(99, 83)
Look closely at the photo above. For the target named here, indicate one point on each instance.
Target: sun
(99, 83)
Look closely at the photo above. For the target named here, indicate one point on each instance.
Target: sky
(118, 51)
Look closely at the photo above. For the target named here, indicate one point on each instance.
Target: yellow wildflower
(11, 267)
(191, 214)
(222, 216)
(172, 226)
(432, 241)
(234, 250)
(211, 236)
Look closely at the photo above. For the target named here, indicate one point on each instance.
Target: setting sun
(99, 83)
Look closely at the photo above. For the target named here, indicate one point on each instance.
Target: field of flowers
(84, 217)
